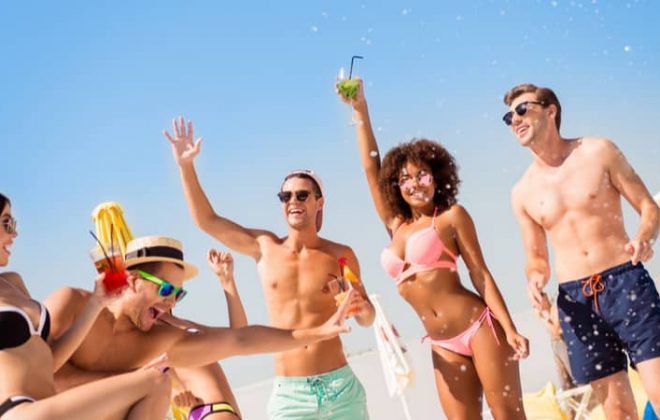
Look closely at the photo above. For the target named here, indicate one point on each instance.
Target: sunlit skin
(572, 193)
(209, 383)
(444, 306)
(126, 335)
(28, 369)
(294, 269)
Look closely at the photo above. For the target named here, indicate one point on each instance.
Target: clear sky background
(87, 88)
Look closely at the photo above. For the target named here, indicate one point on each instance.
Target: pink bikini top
(422, 252)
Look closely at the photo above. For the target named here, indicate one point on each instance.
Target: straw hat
(157, 249)
(310, 174)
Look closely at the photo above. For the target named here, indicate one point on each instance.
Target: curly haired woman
(414, 191)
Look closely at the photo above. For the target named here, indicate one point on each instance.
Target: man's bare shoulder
(591, 144)
(335, 248)
(268, 238)
(69, 298)
(520, 187)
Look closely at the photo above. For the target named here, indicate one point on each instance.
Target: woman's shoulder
(454, 213)
(15, 279)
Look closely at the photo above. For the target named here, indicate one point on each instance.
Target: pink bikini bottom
(461, 343)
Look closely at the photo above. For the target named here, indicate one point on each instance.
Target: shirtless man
(608, 303)
(126, 334)
(312, 381)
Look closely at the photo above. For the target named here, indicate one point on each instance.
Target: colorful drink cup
(110, 262)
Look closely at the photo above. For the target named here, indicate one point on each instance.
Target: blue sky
(89, 86)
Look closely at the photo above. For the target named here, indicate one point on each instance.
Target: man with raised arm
(297, 270)
(609, 307)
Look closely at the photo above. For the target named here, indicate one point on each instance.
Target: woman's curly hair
(419, 151)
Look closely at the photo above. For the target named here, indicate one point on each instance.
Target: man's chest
(104, 351)
(307, 277)
(577, 188)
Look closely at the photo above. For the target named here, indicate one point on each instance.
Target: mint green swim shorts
(336, 395)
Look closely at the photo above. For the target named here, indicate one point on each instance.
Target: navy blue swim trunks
(607, 316)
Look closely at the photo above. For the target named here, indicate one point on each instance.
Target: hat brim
(189, 270)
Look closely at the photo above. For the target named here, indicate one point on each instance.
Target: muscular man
(609, 307)
(126, 334)
(312, 381)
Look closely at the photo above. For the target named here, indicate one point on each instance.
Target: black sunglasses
(10, 225)
(301, 195)
(520, 109)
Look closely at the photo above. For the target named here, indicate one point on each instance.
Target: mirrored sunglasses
(423, 179)
(165, 288)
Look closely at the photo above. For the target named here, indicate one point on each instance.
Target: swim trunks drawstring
(591, 287)
(320, 389)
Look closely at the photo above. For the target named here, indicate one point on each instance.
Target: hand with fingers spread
(335, 324)
(640, 250)
(184, 148)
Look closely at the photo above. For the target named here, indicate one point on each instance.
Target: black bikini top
(16, 326)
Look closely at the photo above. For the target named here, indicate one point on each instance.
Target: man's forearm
(198, 204)
(649, 222)
(69, 376)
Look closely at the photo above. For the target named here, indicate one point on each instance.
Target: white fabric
(393, 353)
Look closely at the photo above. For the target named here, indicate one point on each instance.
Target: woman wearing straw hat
(29, 355)
(415, 196)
